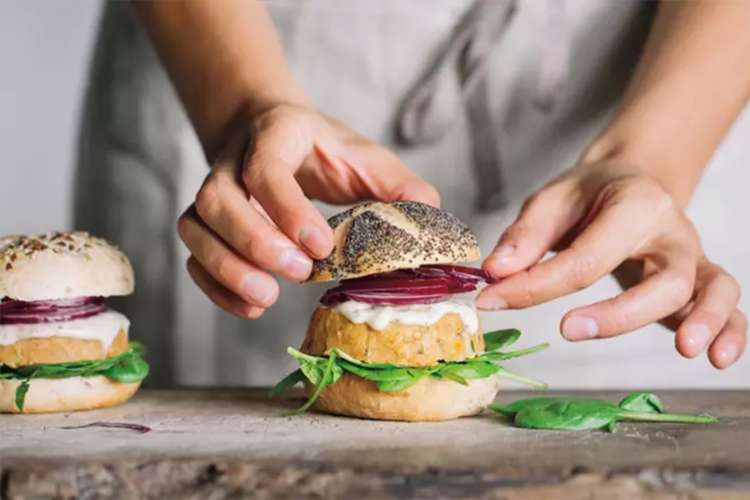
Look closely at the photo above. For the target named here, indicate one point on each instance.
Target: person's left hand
(608, 217)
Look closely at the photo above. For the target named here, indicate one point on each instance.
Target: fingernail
(697, 336)
(256, 290)
(295, 263)
(728, 355)
(580, 328)
(491, 302)
(313, 240)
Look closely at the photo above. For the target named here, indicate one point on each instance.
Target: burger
(61, 347)
(394, 340)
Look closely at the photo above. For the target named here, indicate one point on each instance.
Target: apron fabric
(487, 100)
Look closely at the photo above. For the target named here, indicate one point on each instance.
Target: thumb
(544, 218)
(369, 171)
(387, 178)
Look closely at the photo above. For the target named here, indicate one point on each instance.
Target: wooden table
(233, 443)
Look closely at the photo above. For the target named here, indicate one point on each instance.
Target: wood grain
(233, 443)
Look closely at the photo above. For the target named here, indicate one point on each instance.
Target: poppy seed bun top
(58, 265)
(377, 237)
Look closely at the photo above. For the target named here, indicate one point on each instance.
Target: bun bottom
(427, 400)
(66, 394)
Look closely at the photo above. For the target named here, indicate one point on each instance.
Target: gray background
(45, 48)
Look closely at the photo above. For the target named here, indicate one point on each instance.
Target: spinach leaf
(21, 394)
(287, 383)
(313, 367)
(646, 402)
(127, 367)
(494, 341)
(401, 384)
(319, 371)
(375, 374)
(502, 356)
(331, 374)
(583, 414)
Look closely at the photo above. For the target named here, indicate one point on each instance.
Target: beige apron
(550, 76)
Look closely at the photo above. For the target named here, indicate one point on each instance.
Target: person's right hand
(253, 215)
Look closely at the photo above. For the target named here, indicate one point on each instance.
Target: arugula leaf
(127, 367)
(584, 414)
(494, 341)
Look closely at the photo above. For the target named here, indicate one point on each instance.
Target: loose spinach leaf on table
(584, 414)
(391, 378)
(127, 367)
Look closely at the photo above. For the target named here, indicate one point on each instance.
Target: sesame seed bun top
(62, 265)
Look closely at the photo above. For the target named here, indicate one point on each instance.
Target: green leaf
(644, 402)
(583, 414)
(287, 383)
(472, 369)
(128, 369)
(499, 339)
(331, 374)
(376, 374)
(502, 372)
(502, 356)
(355, 361)
(392, 378)
(399, 384)
(21, 391)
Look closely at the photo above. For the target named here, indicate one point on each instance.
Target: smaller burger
(394, 340)
(61, 348)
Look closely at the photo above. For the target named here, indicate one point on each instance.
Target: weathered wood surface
(233, 443)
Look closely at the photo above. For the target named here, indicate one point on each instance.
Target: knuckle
(183, 223)
(680, 290)
(584, 268)
(526, 296)
(221, 268)
(516, 232)
(432, 194)
(208, 200)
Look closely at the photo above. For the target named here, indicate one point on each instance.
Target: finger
(232, 272)
(597, 251)
(543, 220)
(363, 170)
(731, 342)
(220, 295)
(659, 295)
(714, 303)
(224, 207)
(268, 175)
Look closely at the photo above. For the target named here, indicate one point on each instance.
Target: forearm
(224, 59)
(690, 84)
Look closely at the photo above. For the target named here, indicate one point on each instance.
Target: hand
(604, 218)
(253, 215)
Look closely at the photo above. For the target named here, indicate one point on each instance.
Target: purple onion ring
(13, 312)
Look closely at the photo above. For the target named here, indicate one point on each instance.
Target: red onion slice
(423, 285)
(49, 311)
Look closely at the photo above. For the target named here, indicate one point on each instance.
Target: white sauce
(102, 327)
(378, 317)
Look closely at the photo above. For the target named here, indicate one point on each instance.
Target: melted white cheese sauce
(102, 327)
(378, 317)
